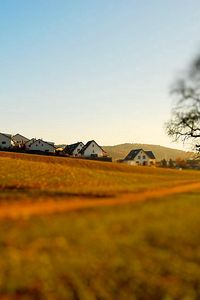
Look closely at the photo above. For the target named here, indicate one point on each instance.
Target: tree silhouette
(184, 124)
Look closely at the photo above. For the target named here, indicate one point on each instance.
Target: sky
(94, 69)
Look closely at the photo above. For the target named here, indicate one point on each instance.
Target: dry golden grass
(35, 177)
(33, 184)
(53, 249)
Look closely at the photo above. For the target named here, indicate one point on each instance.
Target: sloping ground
(120, 151)
(34, 184)
(37, 177)
(26, 209)
(64, 233)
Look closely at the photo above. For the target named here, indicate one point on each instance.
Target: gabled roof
(31, 140)
(7, 135)
(52, 145)
(87, 145)
(69, 149)
(150, 154)
(133, 153)
(21, 136)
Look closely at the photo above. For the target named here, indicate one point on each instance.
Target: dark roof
(69, 149)
(133, 153)
(88, 144)
(150, 154)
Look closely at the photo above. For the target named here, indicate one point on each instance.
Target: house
(92, 149)
(28, 143)
(40, 146)
(73, 149)
(19, 139)
(6, 141)
(140, 157)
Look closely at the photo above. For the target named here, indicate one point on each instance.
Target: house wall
(5, 142)
(78, 148)
(40, 145)
(29, 143)
(93, 149)
(130, 162)
(141, 159)
(152, 162)
(19, 139)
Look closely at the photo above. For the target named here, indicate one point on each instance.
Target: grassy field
(143, 250)
(24, 176)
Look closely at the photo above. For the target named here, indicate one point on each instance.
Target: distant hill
(120, 151)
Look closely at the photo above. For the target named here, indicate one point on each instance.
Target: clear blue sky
(93, 69)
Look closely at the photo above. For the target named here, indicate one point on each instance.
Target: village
(91, 150)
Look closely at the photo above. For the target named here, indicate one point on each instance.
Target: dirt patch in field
(50, 206)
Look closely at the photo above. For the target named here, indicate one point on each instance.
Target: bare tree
(184, 124)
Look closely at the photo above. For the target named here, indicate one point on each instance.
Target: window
(92, 145)
(144, 156)
(3, 143)
(139, 157)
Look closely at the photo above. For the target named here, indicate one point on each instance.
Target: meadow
(139, 250)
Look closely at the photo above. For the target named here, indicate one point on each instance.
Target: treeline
(180, 163)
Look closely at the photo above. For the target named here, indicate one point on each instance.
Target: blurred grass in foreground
(148, 250)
